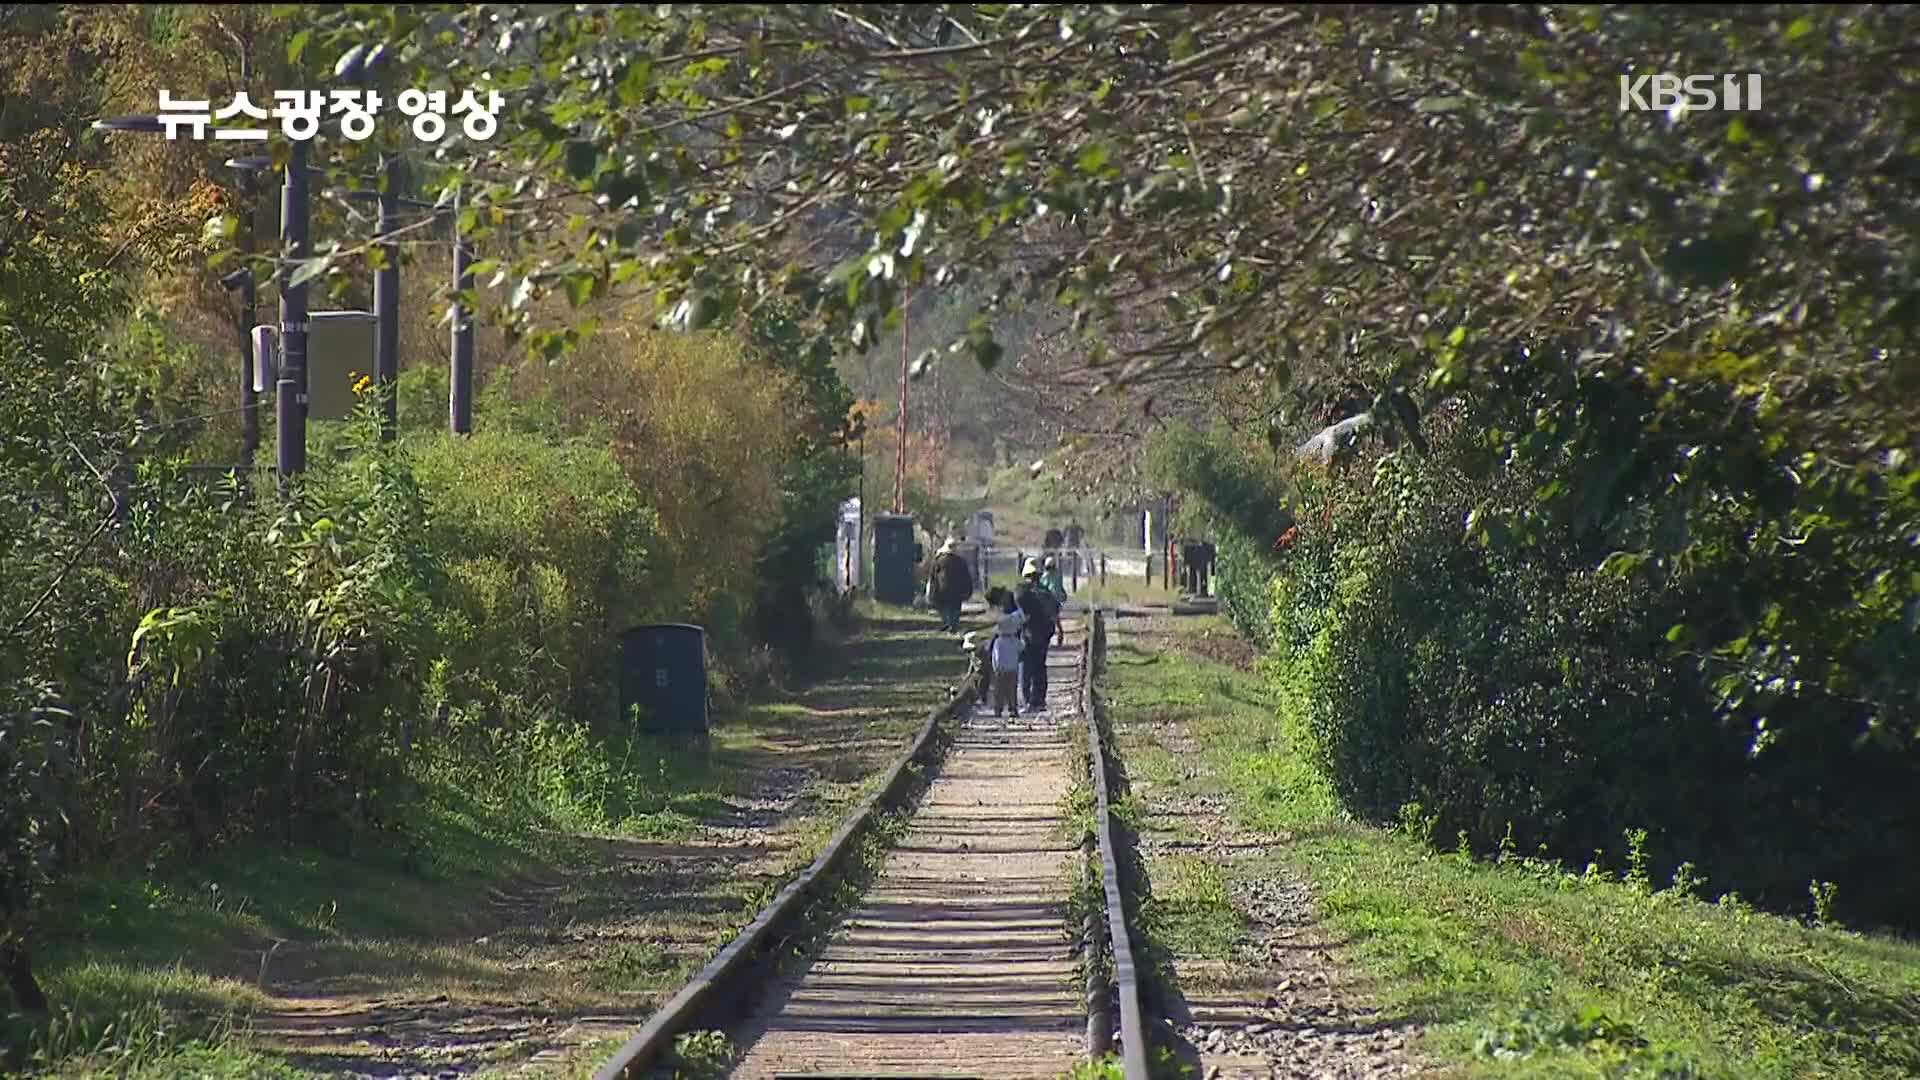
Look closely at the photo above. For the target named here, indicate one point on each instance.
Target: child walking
(1008, 643)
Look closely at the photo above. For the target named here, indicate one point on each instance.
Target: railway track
(957, 960)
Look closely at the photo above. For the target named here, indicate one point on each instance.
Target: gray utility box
(894, 556)
(969, 553)
(339, 349)
(663, 670)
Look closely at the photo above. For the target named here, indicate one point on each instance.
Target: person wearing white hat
(949, 583)
(1043, 616)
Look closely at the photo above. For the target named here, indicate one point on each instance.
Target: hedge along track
(955, 961)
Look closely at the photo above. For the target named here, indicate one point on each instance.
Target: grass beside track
(1517, 968)
(487, 921)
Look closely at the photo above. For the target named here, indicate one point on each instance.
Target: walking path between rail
(958, 960)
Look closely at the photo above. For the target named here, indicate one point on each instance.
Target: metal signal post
(290, 401)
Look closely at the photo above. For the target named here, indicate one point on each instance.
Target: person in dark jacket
(1043, 616)
(952, 581)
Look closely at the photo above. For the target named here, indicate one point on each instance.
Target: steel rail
(1133, 1032)
(680, 1014)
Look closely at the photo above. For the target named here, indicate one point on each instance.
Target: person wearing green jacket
(1055, 584)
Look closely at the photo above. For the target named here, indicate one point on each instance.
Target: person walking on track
(949, 584)
(1056, 587)
(1043, 616)
(1004, 654)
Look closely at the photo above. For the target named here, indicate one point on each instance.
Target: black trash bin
(894, 557)
(663, 670)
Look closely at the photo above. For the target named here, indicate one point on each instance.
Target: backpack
(1041, 610)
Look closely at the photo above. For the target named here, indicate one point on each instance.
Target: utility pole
(386, 300)
(460, 390)
(900, 454)
(290, 403)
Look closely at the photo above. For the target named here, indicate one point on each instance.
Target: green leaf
(635, 83)
(1440, 104)
(1679, 633)
(297, 45)
(1798, 29)
(704, 310)
(220, 228)
(309, 269)
(582, 158)
(1622, 563)
(1737, 131)
(987, 352)
(581, 288)
(1712, 259)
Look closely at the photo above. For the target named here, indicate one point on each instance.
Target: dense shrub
(548, 549)
(1243, 580)
(189, 661)
(1495, 693)
(1513, 680)
(415, 615)
(1042, 495)
(1233, 499)
(705, 429)
(818, 475)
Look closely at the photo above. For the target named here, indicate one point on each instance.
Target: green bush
(1245, 583)
(1531, 701)
(244, 666)
(1500, 694)
(818, 476)
(1450, 631)
(1043, 496)
(548, 559)
(1236, 501)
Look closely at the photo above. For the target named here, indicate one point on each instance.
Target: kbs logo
(1700, 93)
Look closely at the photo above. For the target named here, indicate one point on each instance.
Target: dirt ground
(1281, 1005)
(568, 964)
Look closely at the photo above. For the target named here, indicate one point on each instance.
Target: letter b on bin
(663, 670)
